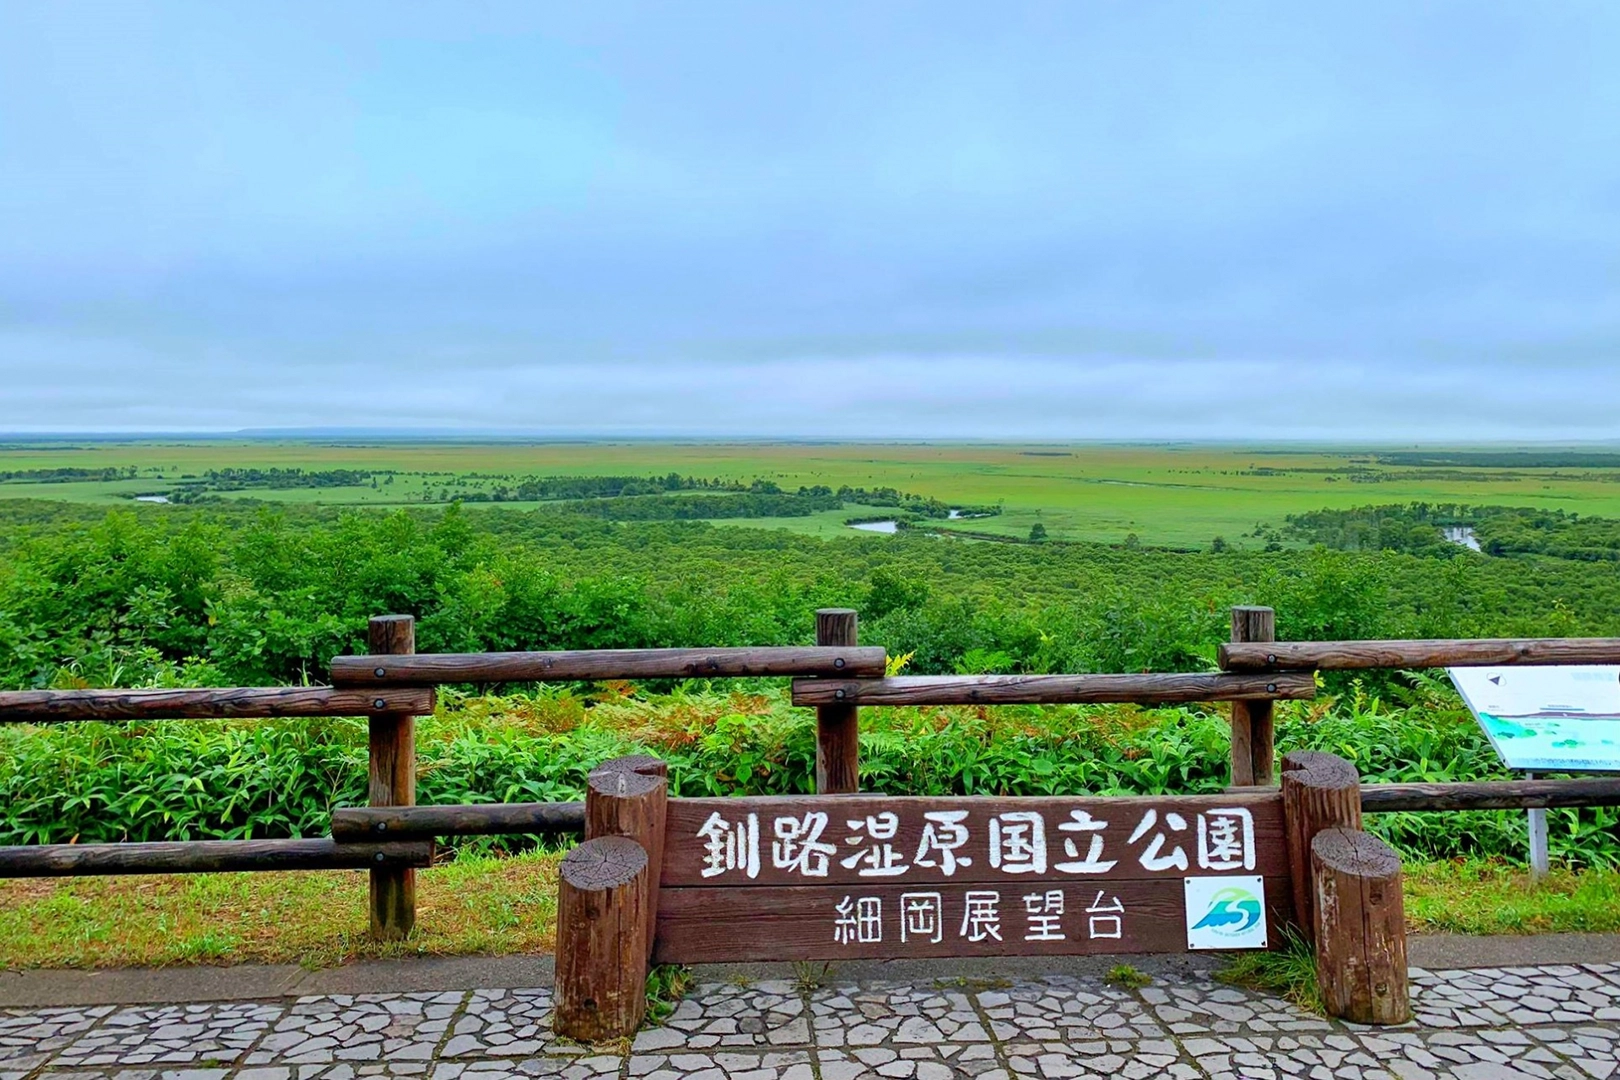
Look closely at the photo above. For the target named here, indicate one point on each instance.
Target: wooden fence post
(1319, 791)
(838, 747)
(602, 917)
(1254, 746)
(1347, 891)
(628, 797)
(393, 783)
(1360, 927)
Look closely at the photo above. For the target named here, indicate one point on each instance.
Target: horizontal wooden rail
(425, 822)
(428, 668)
(1050, 689)
(48, 706)
(1491, 795)
(401, 823)
(205, 856)
(1353, 655)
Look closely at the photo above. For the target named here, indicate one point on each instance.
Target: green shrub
(227, 779)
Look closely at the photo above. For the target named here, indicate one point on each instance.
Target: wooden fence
(393, 684)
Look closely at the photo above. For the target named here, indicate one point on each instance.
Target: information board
(1547, 719)
(861, 876)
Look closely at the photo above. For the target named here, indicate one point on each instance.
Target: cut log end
(1355, 853)
(608, 862)
(636, 776)
(642, 764)
(1314, 769)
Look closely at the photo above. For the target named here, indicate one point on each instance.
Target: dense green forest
(157, 595)
(255, 595)
(1419, 529)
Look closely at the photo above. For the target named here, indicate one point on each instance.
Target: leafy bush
(191, 780)
(137, 597)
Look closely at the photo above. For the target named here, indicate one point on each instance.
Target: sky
(1071, 220)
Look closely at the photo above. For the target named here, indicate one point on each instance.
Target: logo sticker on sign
(1226, 912)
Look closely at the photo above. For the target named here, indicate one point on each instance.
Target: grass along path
(1483, 897)
(473, 905)
(500, 906)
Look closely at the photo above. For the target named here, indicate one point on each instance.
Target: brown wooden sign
(848, 877)
(819, 878)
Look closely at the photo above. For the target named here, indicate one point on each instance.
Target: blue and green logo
(1232, 911)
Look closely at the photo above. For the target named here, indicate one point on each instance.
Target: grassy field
(1166, 495)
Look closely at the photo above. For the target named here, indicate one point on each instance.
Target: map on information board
(1547, 719)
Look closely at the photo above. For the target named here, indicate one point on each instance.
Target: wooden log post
(393, 783)
(1254, 746)
(603, 914)
(1360, 928)
(628, 797)
(838, 746)
(1319, 791)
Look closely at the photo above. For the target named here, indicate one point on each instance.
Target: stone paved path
(1490, 1024)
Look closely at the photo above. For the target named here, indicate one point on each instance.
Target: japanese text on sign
(1013, 843)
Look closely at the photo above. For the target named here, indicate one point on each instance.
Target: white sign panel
(1547, 719)
(1226, 912)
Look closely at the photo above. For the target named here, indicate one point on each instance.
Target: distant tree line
(66, 475)
(190, 488)
(1497, 459)
(1419, 529)
(660, 498)
(698, 507)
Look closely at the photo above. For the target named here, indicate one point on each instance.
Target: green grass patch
(667, 984)
(473, 905)
(1289, 971)
(1479, 896)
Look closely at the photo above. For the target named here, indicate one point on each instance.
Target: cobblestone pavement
(1491, 1024)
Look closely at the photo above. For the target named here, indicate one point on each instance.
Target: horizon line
(509, 435)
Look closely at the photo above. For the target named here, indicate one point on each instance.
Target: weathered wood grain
(1319, 791)
(1350, 655)
(1490, 795)
(358, 824)
(627, 797)
(430, 668)
(1253, 742)
(725, 925)
(392, 768)
(1050, 689)
(205, 856)
(838, 725)
(858, 817)
(238, 702)
(1360, 927)
(602, 927)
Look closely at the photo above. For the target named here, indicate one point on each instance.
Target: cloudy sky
(976, 220)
